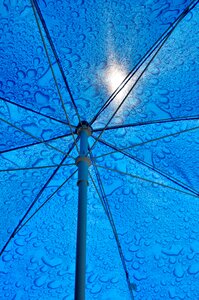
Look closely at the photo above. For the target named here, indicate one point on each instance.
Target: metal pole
(83, 163)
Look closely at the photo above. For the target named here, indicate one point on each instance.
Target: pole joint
(84, 159)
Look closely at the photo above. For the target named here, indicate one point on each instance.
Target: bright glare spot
(114, 75)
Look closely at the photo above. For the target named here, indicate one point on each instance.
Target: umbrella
(99, 140)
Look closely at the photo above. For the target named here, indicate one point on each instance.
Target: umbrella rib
(105, 204)
(34, 168)
(34, 111)
(56, 57)
(147, 180)
(46, 201)
(160, 121)
(37, 143)
(34, 201)
(150, 141)
(169, 177)
(34, 137)
(165, 35)
(52, 71)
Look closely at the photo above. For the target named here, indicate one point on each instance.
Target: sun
(114, 75)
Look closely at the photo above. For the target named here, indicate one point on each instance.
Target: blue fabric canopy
(130, 69)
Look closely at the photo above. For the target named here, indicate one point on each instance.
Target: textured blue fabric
(147, 162)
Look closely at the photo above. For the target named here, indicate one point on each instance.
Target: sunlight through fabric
(113, 76)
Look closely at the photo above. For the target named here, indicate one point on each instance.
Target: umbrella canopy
(129, 69)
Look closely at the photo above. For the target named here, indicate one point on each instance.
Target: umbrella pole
(83, 163)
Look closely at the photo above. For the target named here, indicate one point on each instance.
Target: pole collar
(83, 158)
(82, 180)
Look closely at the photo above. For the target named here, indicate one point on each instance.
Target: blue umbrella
(99, 140)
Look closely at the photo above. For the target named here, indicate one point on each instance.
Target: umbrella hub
(84, 126)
